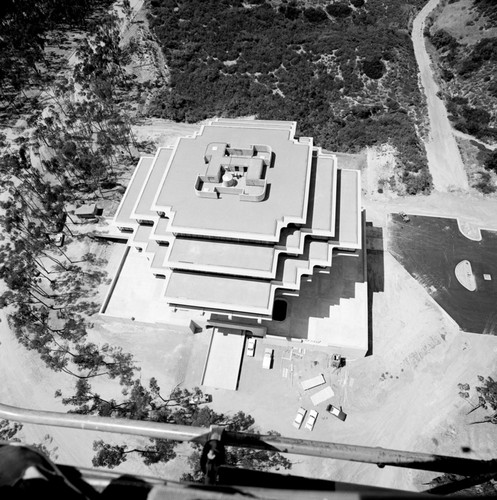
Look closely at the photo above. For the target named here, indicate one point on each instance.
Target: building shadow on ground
(375, 273)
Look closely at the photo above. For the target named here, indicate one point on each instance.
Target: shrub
(477, 119)
(420, 182)
(315, 15)
(484, 183)
(290, 11)
(443, 40)
(373, 68)
(491, 161)
(447, 75)
(484, 50)
(338, 10)
(492, 88)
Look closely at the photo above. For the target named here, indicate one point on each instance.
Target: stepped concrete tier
(239, 212)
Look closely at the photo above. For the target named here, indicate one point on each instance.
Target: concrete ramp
(224, 359)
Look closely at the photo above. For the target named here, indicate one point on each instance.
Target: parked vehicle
(251, 346)
(337, 361)
(59, 239)
(338, 413)
(56, 239)
(299, 418)
(404, 216)
(311, 420)
(267, 362)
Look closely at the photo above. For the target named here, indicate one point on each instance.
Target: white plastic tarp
(322, 395)
(313, 382)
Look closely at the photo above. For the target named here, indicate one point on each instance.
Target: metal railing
(175, 432)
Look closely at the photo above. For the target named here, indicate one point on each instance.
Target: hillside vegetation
(345, 71)
(467, 55)
(463, 34)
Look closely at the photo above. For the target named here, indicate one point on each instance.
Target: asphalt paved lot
(429, 248)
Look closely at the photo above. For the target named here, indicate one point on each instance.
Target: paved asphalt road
(430, 248)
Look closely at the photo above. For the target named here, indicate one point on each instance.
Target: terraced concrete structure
(238, 212)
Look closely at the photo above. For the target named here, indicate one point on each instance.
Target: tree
(373, 68)
(246, 458)
(315, 15)
(442, 39)
(111, 456)
(491, 161)
(487, 397)
(9, 430)
(338, 9)
(181, 406)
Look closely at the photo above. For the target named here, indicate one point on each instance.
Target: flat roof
(231, 255)
(324, 199)
(125, 209)
(86, 209)
(158, 259)
(143, 208)
(288, 185)
(317, 253)
(219, 292)
(142, 235)
(221, 256)
(349, 213)
(244, 123)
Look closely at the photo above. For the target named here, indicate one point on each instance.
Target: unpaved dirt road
(444, 159)
(468, 137)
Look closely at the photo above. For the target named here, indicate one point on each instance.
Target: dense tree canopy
(182, 406)
(24, 25)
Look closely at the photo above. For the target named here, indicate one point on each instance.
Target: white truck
(267, 361)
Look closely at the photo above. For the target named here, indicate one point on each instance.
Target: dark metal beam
(373, 455)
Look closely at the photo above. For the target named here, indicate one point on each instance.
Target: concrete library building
(259, 232)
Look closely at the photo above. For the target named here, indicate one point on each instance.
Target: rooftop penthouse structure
(238, 214)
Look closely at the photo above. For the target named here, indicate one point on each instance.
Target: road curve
(444, 159)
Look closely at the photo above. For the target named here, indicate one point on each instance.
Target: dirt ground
(404, 396)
